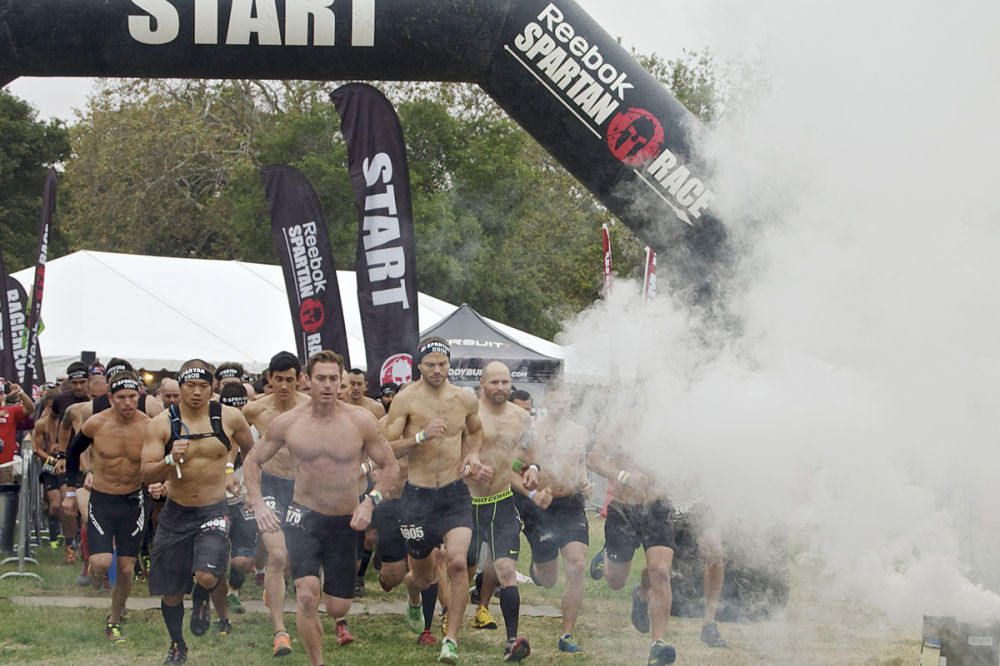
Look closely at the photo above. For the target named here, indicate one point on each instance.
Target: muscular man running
(327, 440)
(191, 445)
(118, 506)
(277, 484)
(444, 434)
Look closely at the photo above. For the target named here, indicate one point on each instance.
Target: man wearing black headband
(78, 384)
(437, 425)
(277, 484)
(118, 508)
(191, 447)
(328, 440)
(387, 393)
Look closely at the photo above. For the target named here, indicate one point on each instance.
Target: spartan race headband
(432, 347)
(116, 368)
(228, 373)
(194, 373)
(77, 374)
(125, 384)
(233, 400)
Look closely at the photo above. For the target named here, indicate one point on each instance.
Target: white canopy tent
(157, 312)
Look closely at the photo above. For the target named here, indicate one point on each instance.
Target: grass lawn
(813, 629)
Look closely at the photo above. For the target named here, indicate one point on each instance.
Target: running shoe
(711, 637)
(359, 587)
(114, 633)
(178, 654)
(343, 634)
(484, 619)
(234, 604)
(640, 612)
(597, 564)
(661, 653)
(414, 618)
(258, 577)
(224, 626)
(70, 555)
(516, 649)
(201, 618)
(282, 644)
(476, 591)
(449, 652)
(567, 644)
(426, 638)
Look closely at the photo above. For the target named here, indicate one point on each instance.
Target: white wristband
(531, 495)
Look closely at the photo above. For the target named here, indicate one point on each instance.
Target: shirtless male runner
(357, 393)
(327, 440)
(277, 484)
(507, 434)
(191, 447)
(118, 508)
(444, 434)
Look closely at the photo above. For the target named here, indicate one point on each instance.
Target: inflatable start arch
(547, 63)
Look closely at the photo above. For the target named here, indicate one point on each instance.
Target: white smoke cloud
(860, 405)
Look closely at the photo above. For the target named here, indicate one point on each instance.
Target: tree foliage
(27, 149)
(169, 167)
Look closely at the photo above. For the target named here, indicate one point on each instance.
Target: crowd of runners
(208, 481)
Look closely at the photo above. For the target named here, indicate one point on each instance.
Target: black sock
(510, 606)
(428, 599)
(200, 595)
(236, 578)
(53, 528)
(366, 557)
(174, 618)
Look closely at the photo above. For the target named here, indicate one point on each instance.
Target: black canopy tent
(475, 342)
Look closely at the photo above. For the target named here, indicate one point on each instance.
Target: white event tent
(157, 312)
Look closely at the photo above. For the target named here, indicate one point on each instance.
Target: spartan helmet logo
(311, 315)
(635, 136)
(397, 369)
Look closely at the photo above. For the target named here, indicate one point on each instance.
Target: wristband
(70, 493)
(531, 495)
(466, 469)
(376, 497)
(421, 437)
(516, 465)
(365, 469)
(230, 470)
(534, 467)
(231, 466)
(623, 477)
(168, 460)
(49, 460)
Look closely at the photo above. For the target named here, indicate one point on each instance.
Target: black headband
(432, 347)
(194, 373)
(233, 400)
(227, 373)
(125, 384)
(77, 374)
(115, 369)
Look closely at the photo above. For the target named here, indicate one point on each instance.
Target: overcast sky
(650, 25)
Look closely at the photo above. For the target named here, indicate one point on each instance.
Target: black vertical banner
(303, 246)
(385, 263)
(45, 225)
(17, 322)
(7, 370)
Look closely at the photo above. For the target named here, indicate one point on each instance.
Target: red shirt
(9, 418)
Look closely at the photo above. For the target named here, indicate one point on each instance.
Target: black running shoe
(178, 654)
(597, 564)
(661, 653)
(640, 612)
(711, 637)
(201, 618)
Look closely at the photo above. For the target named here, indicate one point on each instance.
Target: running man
(118, 507)
(440, 426)
(327, 440)
(357, 393)
(191, 446)
(277, 484)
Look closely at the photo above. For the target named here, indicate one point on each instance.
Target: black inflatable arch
(547, 63)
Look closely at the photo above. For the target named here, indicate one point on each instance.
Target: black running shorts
(188, 539)
(242, 531)
(278, 493)
(389, 543)
(630, 525)
(496, 523)
(550, 529)
(430, 513)
(316, 540)
(117, 522)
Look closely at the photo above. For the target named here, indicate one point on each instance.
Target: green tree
(28, 148)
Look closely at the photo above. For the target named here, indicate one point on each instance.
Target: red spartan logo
(311, 315)
(634, 136)
(397, 369)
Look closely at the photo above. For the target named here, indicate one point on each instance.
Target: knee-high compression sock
(510, 606)
(200, 595)
(236, 579)
(366, 557)
(53, 528)
(173, 616)
(428, 599)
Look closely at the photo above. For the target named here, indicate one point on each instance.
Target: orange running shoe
(282, 644)
(343, 634)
